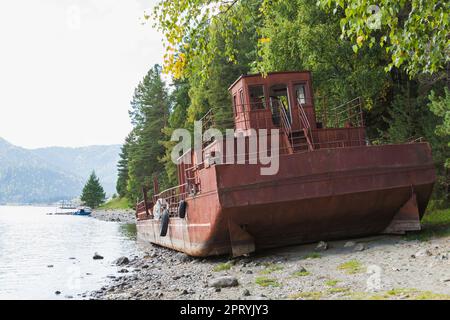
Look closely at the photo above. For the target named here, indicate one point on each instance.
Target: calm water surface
(31, 241)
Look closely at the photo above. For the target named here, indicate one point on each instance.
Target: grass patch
(416, 294)
(398, 293)
(351, 267)
(267, 282)
(312, 255)
(306, 295)
(438, 217)
(301, 273)
(271, 267)
(428, 295)
(338, 290)
(116, 203)
(222, 267)
(435, 224)
(332, 282)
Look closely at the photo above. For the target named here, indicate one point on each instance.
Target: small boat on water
(83, 211)
(332, 183)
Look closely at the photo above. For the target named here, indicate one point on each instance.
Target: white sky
(68, 69)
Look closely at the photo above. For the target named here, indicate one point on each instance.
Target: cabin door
(279, 104)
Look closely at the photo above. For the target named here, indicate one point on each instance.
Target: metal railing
(208, 120)
(306, 125)
(415, 139)
(172, 198)
(349, 114)
(285, 125)
(302, 115)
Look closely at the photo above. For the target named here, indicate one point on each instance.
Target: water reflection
(41, 254)
(129, 231)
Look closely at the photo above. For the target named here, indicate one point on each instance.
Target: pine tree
(93, 194)
(149, 115)
(179, 104)
(122, 167)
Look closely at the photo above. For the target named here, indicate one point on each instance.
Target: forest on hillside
(396, 56)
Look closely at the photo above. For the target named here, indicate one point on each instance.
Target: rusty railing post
(155, 185)
(144, 192)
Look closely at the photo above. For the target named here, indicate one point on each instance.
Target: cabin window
(300, 93)
(241, 93)
(257, 97)
(235, 105)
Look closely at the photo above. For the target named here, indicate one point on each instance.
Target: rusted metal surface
(331, 184)
(406, 219)
(241, 241)
(321, 195)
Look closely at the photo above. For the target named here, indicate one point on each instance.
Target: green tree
(93, 194)
(180, 101)
(298, 35)
(122, 167)
(440, 106)
(149, 114)
(210, 77)
(416, 114)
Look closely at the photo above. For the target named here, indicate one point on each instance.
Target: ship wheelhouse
(285, 101)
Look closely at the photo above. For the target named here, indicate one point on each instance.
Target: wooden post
(144, 192)
(155, 185)
(137, 207)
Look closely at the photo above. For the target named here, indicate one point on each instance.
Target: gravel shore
(382, 267)
(123, 216)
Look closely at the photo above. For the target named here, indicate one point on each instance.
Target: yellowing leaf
(264, 40)
(359, 40)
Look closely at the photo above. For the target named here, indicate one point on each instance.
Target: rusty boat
(332, 183)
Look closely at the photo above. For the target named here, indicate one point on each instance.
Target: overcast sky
(68, 69)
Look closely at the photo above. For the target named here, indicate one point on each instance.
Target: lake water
(31, 241)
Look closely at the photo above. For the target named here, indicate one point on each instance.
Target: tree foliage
(190, 25)
(414, 32)
(93, 194)
(440, 106)
(300, 36)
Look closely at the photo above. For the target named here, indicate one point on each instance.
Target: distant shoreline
(112, 215)
(37, 205)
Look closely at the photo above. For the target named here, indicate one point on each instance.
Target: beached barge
(331, 183)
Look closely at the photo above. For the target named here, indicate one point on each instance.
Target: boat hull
(320, 195)
(82, 214)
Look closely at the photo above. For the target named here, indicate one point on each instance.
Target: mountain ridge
(49, 174)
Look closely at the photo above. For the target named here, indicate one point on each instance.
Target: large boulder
(322, 246)
(97, 256)
(224, 282)
(122, 261)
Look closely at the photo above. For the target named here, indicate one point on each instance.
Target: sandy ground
(384, 267)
